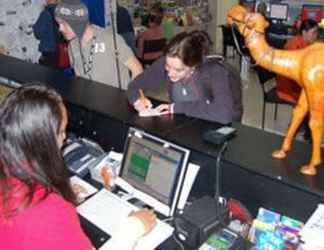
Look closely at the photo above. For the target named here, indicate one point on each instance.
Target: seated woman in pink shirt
(36, 200)
(154, 32)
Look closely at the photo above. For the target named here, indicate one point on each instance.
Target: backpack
(234, 81)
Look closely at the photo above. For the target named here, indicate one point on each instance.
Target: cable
(168, 219)
(244, 57)
(178, 242)
(217, 186)
(177, 230)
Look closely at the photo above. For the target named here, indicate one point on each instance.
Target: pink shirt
(49, 224)
(152, 33)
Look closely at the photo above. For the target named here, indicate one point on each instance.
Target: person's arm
(140, 45)
(149, 79)
(127, 57)
(220, 105)
(131, 229)
(58, 228)
(134, 66)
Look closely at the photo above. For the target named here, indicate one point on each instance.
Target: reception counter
(248, 173)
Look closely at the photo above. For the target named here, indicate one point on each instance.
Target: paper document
(313, 230)
(187, 185)
(149, 112)
(115, 156)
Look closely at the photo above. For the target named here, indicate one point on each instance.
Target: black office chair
(239, 45)
(276, 41)
(227, 38)
(150, 46)
(269, 95)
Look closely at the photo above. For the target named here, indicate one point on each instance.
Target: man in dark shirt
(46, 31)
(125, 27)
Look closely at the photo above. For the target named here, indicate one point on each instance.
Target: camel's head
(246, 21)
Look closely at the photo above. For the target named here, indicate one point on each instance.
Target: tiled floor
(252, 103)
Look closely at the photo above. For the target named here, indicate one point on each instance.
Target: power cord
(239, 50)
(175, 236)
(178, 242)
(217, 181)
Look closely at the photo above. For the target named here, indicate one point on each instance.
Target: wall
(212, 23)
(16, 20)
(221, 9)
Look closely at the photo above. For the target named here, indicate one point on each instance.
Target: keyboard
(106, 210)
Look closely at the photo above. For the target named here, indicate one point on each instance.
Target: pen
(142, 96)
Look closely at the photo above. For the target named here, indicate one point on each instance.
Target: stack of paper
(149, 112)
(313, 231)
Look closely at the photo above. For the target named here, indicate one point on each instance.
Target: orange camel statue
(305, 66)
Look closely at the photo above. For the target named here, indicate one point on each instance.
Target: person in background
(125, 27)
(36, 200)
(47, 32)
(154, 32)
(91, 48)
(197, 87)
(287, 89)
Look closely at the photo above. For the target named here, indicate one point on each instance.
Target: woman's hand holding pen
(142, 102)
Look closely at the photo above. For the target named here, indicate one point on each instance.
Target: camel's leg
(316, 126)
(298, 116)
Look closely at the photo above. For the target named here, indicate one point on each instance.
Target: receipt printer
(199, 220)
(81, 155)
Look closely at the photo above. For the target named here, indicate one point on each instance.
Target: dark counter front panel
(249, 173)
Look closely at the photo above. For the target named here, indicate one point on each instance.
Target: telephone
(219, 136)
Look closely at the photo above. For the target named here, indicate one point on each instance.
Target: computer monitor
(155, 168)
(312, 12)
(278, 12)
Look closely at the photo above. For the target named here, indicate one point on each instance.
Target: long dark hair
(190, 48)
(30, 119)
(307, 24)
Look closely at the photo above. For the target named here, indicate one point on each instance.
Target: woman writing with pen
(197, 86)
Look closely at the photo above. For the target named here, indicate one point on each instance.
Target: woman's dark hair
(155, 19)
(307, 24)
(204, 40)
(30, 120)
(190, 48)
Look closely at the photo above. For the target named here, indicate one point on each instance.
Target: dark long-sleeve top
(215, 89)
(46, 30)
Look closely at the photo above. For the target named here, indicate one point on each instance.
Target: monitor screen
(312, 12)
(155, 167)
(278, 11)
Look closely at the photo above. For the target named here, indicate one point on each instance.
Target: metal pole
(113, 12)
